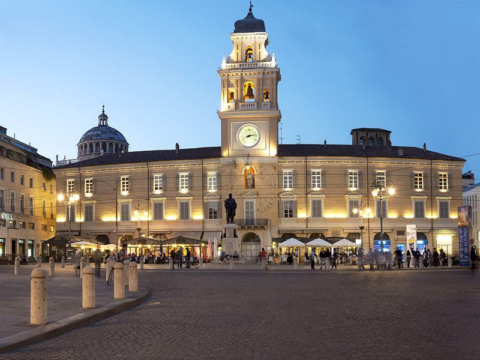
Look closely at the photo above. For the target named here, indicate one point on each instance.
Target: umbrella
(291, 243)
(108, 247)
(344, 242)
(319, 242)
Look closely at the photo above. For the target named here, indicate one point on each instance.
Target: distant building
(468, 179)
(27, 198)
(471, 197)
(282, 191)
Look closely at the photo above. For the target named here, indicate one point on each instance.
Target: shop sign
(463, 236)
(412, 236)
(6, 216)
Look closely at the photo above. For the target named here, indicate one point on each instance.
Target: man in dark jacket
(187, 259)
(179, 258)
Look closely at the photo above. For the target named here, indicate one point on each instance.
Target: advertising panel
(412, 236)
(463, 236)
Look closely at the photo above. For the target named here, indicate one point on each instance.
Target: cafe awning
(182, 240)
(143, 241)
(187, 234)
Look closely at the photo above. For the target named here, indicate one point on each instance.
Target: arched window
(371, 141)
(90, 148)
(104, 147)
(249, 54)
(249, 92)
(362, 140)
(380, 141)
(231, 97)
(266, 95)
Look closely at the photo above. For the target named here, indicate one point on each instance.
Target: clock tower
(249, 78)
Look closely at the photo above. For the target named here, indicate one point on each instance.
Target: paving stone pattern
(285, 315)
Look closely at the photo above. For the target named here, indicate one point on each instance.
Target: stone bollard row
(118, 281)
(133, 276)
(17, 266)
(142, 261)
(63, 262)
(126, 273)
(295, 263)
(38, 297)
(231, 264)
(51, 269)
(200, 263)
(88, 288)
(82, 266)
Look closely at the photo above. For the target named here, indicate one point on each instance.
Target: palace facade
(306, 191)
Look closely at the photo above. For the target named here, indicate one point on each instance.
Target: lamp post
(361, 210)
(137, 212)
(70, 200)
(379, 187)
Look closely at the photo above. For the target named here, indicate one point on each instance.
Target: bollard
(88, 288)
(231, 264)
(142, 261)
(63, 262)
(38, 297)
(39, 262)
(109, 268)
(450, 261)
(264, 264)
(170, 264)
(17, 266)
(421, 263)
(51, 270)
(327, 264)
(295, 263)
(118, 281)
(133, 276)
(82, 265)
(126, 276)
(200, 263)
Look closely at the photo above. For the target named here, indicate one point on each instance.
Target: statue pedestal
(230, 240)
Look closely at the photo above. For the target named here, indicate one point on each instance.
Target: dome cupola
(250, 24)
(101, 140)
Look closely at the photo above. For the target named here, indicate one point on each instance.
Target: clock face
(248, 135)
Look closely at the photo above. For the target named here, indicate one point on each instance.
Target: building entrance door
(2, 247)
(21, 247)
(251, 246)
(14, 247)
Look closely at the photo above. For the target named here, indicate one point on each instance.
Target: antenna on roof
(280, 138)
(299, 139)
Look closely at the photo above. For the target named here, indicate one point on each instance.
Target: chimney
(177, 148)
(424, 146)
(325, 142)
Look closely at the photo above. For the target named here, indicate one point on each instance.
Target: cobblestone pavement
(285, 315)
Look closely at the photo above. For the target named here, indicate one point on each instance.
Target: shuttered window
(419, 209)
(158, 211)
(213, 210)
(317, 208)
(381, 208)
(443, 209)
(88, 209)
(125, 212)
(184, 210)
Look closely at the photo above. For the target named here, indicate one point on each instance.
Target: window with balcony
(88, 187)
(288, 179)
(12, 202)
(22, 204)
(443, 181)
(184, 210)
(288, 207)
(316, 179)
(418, 180)
(30, 205)
(353, 179)
(158, 210)
(157, 183)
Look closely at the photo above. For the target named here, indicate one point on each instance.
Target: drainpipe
(306, 191)
(368, 207)
(148, 201)
(431, 203)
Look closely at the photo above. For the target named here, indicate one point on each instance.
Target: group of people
(178, 257)
(324, 256)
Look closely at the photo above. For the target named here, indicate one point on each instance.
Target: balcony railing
(248, 106)
(250, 65)
(245, 223)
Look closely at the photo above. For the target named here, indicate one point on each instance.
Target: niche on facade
(231, 97)
(266, 95)
(249, 54)
(249, 177)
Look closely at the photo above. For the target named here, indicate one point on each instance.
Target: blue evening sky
(410, 66)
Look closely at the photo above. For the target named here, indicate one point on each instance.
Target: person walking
(425, 258)
(334, 259)
(173, 256)
(398, 257)
(361, 255)
(322, 259)
(312, 259)
(409, 257)
(187, 259)
(263, 255)
(416, 257)
(370, 259)
(179, 258)
(435, 255)
(442, 257)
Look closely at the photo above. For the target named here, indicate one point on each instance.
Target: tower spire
(103, 109)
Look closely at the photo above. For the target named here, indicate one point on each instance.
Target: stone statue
(230, 207)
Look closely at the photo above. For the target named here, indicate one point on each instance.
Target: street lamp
(362, 209)
(379, 186)
(70, 200)
(137, 212)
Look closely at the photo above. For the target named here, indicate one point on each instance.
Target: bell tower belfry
(249, 103)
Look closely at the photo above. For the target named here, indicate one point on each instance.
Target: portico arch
(251, 245)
